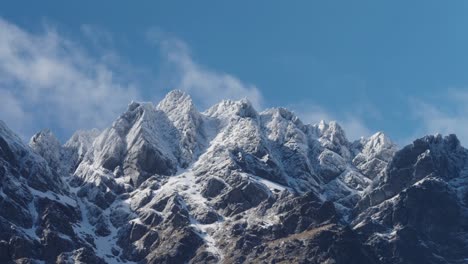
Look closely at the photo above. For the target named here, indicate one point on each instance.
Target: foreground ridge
(169, 184)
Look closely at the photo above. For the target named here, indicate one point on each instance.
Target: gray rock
(179, 249)
(4, 251)
(55, 244)
(56, 216)
(243, 197)
(213, 187)
(102, 228)
(208, 217)
(119, 217)
(168, 184)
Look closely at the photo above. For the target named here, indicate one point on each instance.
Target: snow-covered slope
(169, 184)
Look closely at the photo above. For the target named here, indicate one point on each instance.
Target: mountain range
(166, 183)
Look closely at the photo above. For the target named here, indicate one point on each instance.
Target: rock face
(418, 208)
(169, 184)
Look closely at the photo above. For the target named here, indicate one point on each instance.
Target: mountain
(169, 184)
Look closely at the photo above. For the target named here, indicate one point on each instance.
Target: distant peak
(381, 139)
(331, 127)
(285, 113)
(80, 134)
(176, 100)
(176, 93)
(334, 125)
(242, 108)
(322, 125)
(331, 131)
(44, 135)
(450, 141)
(45, 131)
(133, 105)
(377, 142)
(48, 146)
(177, 96)
(246, 108)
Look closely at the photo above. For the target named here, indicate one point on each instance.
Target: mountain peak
(377, 142)
(46, 144)
(229, 108)
(133, 105)
(176, 99)
(176, 93)
(331, 131)
(44, 134)
(215, 186)
(44, 140)
(180, 110)
(450, 140)
(286, 114)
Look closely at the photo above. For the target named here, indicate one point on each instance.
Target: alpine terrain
(169, 184)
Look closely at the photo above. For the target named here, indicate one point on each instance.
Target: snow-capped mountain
(169, 184)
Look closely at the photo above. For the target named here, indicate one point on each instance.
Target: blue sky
(389, 66)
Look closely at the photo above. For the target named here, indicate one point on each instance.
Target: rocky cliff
(169, 184)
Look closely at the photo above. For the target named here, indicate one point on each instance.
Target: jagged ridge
(168, 184)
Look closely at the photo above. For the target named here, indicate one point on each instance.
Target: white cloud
(355, 128)
(205, 85)
(49, 81)
(435, 119)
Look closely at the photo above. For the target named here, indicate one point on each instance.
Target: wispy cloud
(50, 81)
(47, 80)
(207, 86)
(355, 128)
(434, 118)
